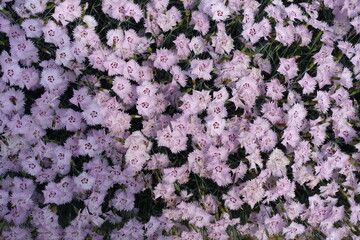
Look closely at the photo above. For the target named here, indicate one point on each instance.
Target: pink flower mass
(179, 119)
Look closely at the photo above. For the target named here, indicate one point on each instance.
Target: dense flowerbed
(212, 119)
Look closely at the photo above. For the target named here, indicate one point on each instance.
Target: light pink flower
(201, 68)
(288, 68)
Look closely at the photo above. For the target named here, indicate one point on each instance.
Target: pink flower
(130, 70)
(53, 33)
(323, 101)
(345, 131)
(219, 172)
(293, 230)
(201, 22)
(133, 10)
(164, 190)
(90, 21)
(123, 201)
(308, 84)
(293, 209)
(182, 46)
(222, 42)
(304, 34)
(168, 20)
(4, 197)
(32, 27)
(355, 214)
(51, 78)
(52, 194)
(12, 102)
(232, 200)
(198, 45)
(296, 116)
(356, 24)
(215, 125)
(318, 132)
(275, 89)
(164, 59)
(88, 147)
(252, 32)
(252, 192)
(274, 224)
(131, 41)
(84, 181)
(93, 114)
(277, 163)
(17, 233)
(272, 112)
(288, 68)
(175, 140)
(285, 35)
(219, 11)
(178, 75)
(268, 141)
(35, 6)
(201, 68)
(97, 59)
(114, 65)
(64, 56)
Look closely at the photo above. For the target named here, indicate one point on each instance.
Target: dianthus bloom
(288, 68)
(202, 68)
(164, 59)
(277, 163)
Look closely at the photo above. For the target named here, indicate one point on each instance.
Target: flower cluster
(165, 119)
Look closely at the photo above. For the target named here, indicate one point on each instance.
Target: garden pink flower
(285, 35)
(252, 192)
(168, 20)
(133, 10)
(296, 115)
(164, 190)
(308, 84)
(222, 42)
(219, 11)
(293, 230)
(114, 37)
(98, 58)
(275, 89)
(34, 6)
(268, 141)
(123, 201)
(84, 181)
(198, 45)
(178, 75)
(52, 194)
(219, 172)
(293, 209)
(201, 22)
(288, 68)
(272, 112)
(323, 101)
(93, 114)
(277, 163)
(252, 32)
(182, 46)
(302, 33)
(164, 59)
(114, 65)
(32, 27)
(232, 200)
(275, 224)
(215, 125)
(201, 68)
